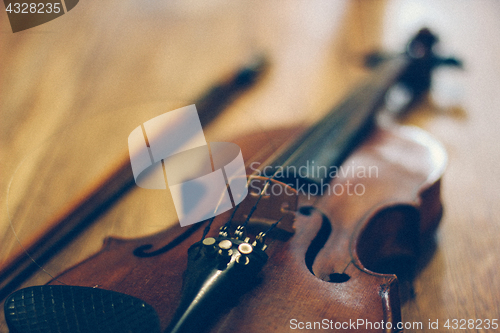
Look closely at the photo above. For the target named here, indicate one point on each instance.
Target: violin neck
(331, 139)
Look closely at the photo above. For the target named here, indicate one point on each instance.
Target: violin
(334, 218)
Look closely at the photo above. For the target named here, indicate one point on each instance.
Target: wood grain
(76, 86)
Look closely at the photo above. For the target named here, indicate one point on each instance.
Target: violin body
(336, 268)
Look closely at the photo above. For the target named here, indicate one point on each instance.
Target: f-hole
(318, 243)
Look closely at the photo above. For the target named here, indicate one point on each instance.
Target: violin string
(257, 203)
(269, 179)
(228, 223)
(273, 225)
(260, 155)
(207, 228)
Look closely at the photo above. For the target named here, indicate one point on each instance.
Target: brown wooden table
(72, 89)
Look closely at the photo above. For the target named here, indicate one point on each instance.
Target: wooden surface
(71, 91)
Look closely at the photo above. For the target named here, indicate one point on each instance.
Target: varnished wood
(366, 295)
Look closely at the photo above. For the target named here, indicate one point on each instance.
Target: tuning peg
(244, 249)
(209, 246)
(259, 242)
(240, 232)
(224, 231)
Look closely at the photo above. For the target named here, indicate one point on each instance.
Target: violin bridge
(273, 200)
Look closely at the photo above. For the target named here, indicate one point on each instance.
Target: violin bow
(72, 220)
